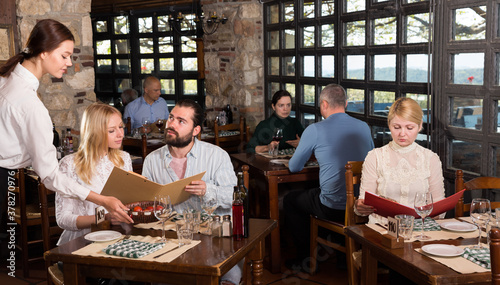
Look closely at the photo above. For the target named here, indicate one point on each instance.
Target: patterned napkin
(132, 248)
(429, 225)
(479, 256)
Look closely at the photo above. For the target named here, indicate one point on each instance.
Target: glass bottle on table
(244, 194)
(238, 215)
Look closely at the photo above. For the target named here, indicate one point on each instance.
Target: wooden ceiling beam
(115, 6)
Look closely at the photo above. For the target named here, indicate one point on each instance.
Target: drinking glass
(277, 136)
(159, 123)
(423, 206)
(184, 230)
(209, 205)
(163, 212)
(480, 212)
(145, 125)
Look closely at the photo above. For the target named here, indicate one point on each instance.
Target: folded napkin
(429, 225)
(480, 256)
(132, 248)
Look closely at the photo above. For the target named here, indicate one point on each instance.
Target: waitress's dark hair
(278, 95)
(46, 36)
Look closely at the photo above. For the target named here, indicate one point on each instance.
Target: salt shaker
(216, 227)
(227, 227)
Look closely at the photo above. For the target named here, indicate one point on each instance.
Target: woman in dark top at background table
(25, 124)
(262, 138)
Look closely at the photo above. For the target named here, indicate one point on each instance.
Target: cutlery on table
(161, 254)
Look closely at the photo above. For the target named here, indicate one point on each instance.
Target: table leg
(257, 257)
(275, 257)
(368, 268)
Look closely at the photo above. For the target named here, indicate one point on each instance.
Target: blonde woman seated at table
(401, 168)
(99, 152)
(262, 138)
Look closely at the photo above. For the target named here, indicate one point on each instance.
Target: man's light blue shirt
(219, 177)
(334, 141)
(139, 109)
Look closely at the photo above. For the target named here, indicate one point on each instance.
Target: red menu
(386, 207)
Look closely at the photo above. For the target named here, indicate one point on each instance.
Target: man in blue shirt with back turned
(337, 139)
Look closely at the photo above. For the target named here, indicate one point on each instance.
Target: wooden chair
(352, 177)
(230, 143)
(495, 256)
(478, 183)
(50, 231)
(128, 125)
(138, 149)
(27, 216)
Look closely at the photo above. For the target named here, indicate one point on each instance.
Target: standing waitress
(25, 125)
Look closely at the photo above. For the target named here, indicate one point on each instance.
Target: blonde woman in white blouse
(99, 152)
(401, 168)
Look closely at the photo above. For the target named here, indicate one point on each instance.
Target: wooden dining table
(203, 264)
(417, 267)
(274, 174)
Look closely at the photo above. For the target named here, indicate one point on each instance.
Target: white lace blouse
(68, 209)
(399, 172)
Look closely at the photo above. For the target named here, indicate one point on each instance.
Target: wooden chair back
(495, 255)
(230, 143)
(50, 231)
(138, 149)
(489, 183)
(128, 125)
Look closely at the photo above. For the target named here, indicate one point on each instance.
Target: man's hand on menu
(197, 187)
(294, 143)
(362, 208)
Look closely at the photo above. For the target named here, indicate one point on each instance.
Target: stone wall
(234, 60)
(65, 98)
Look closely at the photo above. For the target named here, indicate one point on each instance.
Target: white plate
(101, 236)
(279, 161)
(458, 226)
(445, 250)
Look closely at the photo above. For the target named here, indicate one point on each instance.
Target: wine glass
(480, 212)
(277, 136)
(423, 206)
(163, 212)
(159, 123)
(209, 205)
(145, 125)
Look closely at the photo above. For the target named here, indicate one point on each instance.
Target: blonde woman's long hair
(94, 141)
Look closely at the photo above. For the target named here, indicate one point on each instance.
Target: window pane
(163, 25)
(496, 161)
(121, 47)
(309, 66)
(355, 33)
(308, 95)
(497, 64)
(165, 45)
(355, 5)
(382, 101)
(422, 101)
(103, 47)
(308, 10)
(385, 31)
(190, 64)
(355, 67)
(327, 66)
(415, 1)
(290, 87)
(122, 66)
(188, 45)
(274, 40)
(104, 65)
(121, 25)
(498, 117)
(384, 67)
(188, 22)
(166, 64)
(123, 84)
(145, 25)
(289, 39)
(468, 68)
(470, 23)
(274, 16)
(274, 66)
(417, 28)
(190, 87)
(147, 65)
(356, 100)
(308, 33)
(466, 155)
(381, 135)
(307, 119)
(146, 45)
(467, 113)
(289, 12)
(416, 68)
(273, 88)
(328, 35)
(104, 85)
(101, 26)
(327, 7)
(167, 86)
(289, 66)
